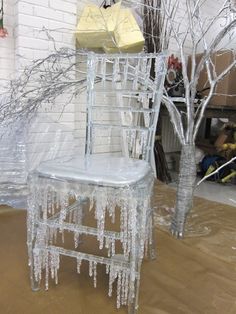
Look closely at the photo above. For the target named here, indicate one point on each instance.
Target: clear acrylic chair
(123, 102)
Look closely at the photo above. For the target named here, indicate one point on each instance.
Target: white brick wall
(59, 18)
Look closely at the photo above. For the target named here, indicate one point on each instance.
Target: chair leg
(132, 309)
(31, 237)
(152, 253)
(133, 301)
(35, 285)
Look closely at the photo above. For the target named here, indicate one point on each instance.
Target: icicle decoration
(123, 281)
(103, 71)
(111, 208)
(76, 239)
(126, 69)
(116, 71)
(143, 69)
(136, 75)
(93, 271)
(52, 235)
(38, 265)
(79, 262)
(104, 200)
(46, 266)
(54, 259)
(101, 202)
(64, 202)
(148, 71)
(133, 203)
(95, 274)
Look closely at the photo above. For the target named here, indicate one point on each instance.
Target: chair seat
(96, 169)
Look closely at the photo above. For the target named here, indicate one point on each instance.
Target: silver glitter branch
(216, 171)
(41, 83)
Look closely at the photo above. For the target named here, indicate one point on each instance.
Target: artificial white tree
(193, 31)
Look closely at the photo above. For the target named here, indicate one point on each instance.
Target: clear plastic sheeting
(37, 118)
(13, 167)
(123, 101)
(48, 139)
(23, 147)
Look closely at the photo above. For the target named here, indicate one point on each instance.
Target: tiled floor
(225, 194)
(213, 191)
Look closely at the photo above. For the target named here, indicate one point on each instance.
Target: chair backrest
(124, 92)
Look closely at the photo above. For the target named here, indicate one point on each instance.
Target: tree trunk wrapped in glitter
(192, 31)
(186, 185)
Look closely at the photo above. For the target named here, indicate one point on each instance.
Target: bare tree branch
(216, 171)
(175, 118)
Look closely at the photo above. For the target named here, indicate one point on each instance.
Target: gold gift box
(113, 29)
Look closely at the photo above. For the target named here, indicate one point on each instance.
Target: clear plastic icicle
(76, 239)
(93, 271)
(78, 264)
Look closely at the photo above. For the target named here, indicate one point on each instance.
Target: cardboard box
(225, 87)
(223, 137)
(96, 26)
(113, 29)
(128, 36)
